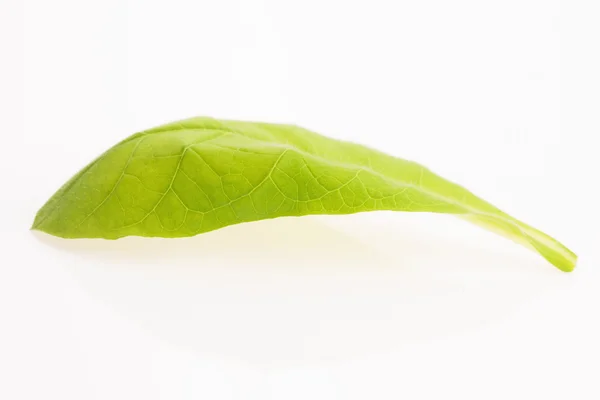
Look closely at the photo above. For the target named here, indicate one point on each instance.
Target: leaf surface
(201, 174)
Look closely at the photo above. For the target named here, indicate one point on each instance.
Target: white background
(501, 96)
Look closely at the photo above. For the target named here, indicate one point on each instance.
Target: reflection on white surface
(297, 291)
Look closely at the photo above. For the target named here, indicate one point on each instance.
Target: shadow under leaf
(299, 291)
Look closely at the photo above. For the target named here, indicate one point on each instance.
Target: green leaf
(202, 174)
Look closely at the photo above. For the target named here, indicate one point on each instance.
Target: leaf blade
(201, 174)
